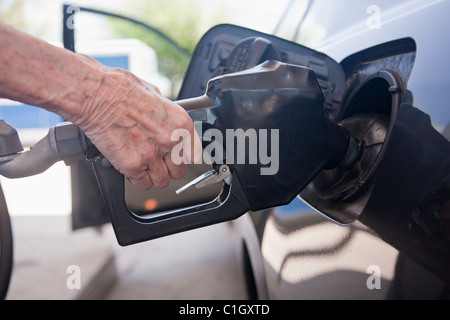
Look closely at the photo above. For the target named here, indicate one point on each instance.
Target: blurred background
(194, 265)
(185, 21)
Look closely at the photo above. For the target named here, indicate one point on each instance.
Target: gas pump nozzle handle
(272, 97)
(276, 107)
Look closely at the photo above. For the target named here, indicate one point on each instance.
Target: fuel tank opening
(369, 112)
(374, 96)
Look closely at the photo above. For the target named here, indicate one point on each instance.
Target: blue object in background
(114, 61)
(24, 116)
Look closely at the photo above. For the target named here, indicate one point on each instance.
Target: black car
(359, 204)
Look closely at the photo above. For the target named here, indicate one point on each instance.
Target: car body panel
(426, 22)
(306, 255)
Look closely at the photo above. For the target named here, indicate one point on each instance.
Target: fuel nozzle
(271, 139)
(286, 102)
(266, 135)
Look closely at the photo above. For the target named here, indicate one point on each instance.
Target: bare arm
(127, 119)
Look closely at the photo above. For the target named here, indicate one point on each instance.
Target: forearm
(34, 72)
(125, 117)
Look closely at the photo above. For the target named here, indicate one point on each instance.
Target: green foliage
(178, 19)
(11, 12)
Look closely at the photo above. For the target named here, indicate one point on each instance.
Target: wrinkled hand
(131, 124)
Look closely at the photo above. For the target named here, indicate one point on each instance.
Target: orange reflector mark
(151, 204)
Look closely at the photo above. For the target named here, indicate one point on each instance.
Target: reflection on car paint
(302, 249)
